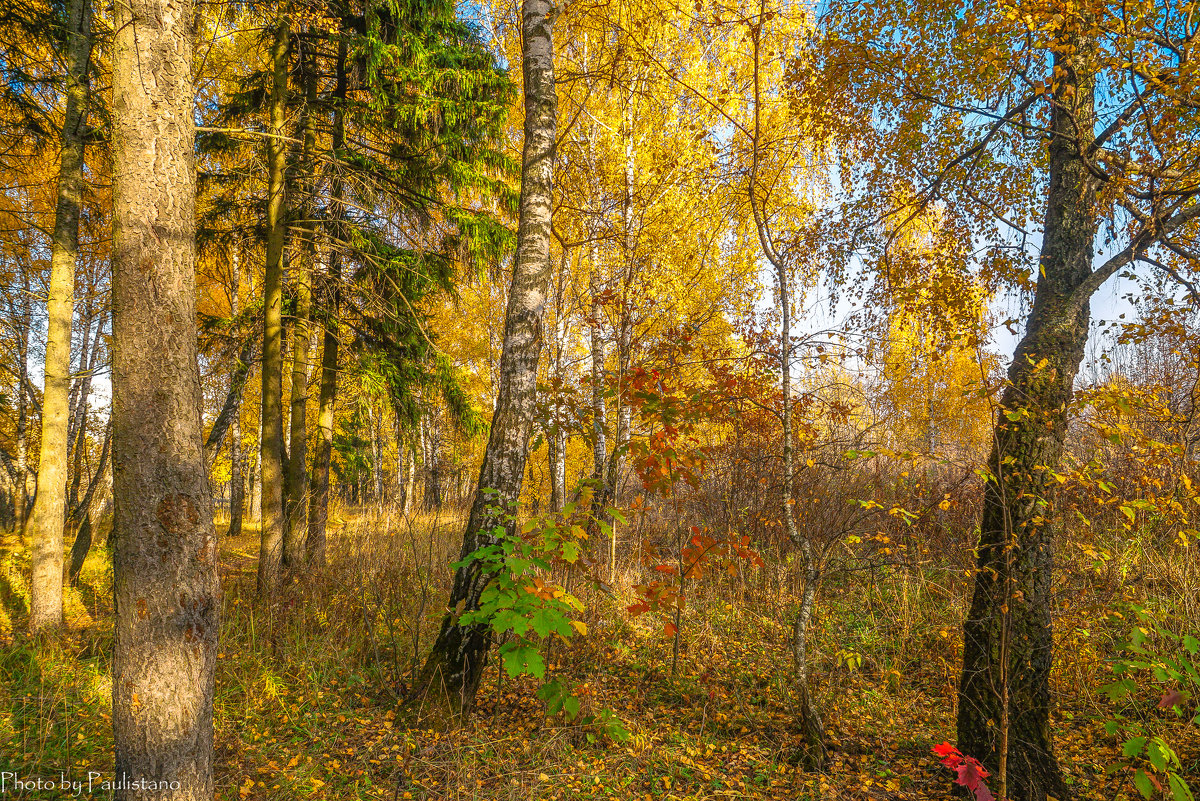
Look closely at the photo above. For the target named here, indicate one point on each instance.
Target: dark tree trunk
(270, 553)
(318, 511)
(1007, 637)
(81, 518)
(237, 482)
(77, 432)
(165, 548)
(49, 507)
(232, 406)
(456, 663)
(83, 533)
(296, 494)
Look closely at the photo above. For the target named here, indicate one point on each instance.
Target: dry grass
(311, 688)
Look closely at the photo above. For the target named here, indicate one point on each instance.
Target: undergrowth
(312, 689)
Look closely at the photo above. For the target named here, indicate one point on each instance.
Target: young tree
(165, 548)
(49, 507)
(456, 662)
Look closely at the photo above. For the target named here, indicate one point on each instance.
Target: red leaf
(944, 749)
(1172, 698)
(669, 630)
(971, 774)
(949, 754)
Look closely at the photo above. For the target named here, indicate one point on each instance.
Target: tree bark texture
(456, 663)
(1010, 605)
(270, 554)
(165, 548)
(49, 507)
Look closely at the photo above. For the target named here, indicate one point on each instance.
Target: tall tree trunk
(599, 404)
(81, 517)
(410, 476)
(431, 445)
(296, 495)
(270, 554)
(49, 508)
(401, 485)
(616, 462)
(318, 511)
(79, 416)
(556, 436)
(165, 548)
(237, 483)
(254, 478)
(456, 663)
(21, 483)
(556, 447)
(375, 425)
(232, 407)
(1010, 606)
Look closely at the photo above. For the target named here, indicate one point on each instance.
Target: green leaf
(1158, 754)
(1191, 644)
(1133, 746)
(544, 621)
(571, 705)
(570, 551)
(1142, 781)
(1179, 789)
(523, 659)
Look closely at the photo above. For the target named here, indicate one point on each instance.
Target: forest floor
(310, 699)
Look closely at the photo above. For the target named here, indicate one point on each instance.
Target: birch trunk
(456, 663)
